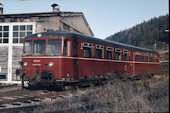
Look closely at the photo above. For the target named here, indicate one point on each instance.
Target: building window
(125, 55)
(118, 54)
(87, 50)
(109, 52)
(143, 57)
(4, 34)
(21, 31)
(137, 56)
(99, 51)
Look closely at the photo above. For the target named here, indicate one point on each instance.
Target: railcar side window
(137, 56)
(66, 48)
(155, 58)
(99, 51)
(147, 57)
(125, 55)
(54, 48)
(143, 57)
(27, 47)
(118, 53)
(87, 50)
(39, 47)
(109, 51)
(151, 58)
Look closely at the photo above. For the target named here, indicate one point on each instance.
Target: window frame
(87, 46)
(3, 32)
(109, 49)
(138, 54)
(100, 47)
(125, 52)
(118, 50)
(143, 56)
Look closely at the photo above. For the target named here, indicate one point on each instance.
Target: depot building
(14, 27)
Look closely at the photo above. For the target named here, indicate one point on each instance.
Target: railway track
(28, 100)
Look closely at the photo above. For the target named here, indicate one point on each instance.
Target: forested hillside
(146, 34)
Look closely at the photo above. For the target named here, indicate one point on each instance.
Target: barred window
(109, 52)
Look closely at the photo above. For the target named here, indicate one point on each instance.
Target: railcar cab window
(143, 57)
(118, 54)
(109, 52)
(99, 51)
(27, 47)
(125, 55)
(54, 48)
(87, 50)
(39, 47)
(137, 56)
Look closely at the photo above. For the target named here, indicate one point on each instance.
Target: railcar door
(75, 59)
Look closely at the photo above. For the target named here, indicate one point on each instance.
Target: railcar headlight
(25, 64)
(50, 64)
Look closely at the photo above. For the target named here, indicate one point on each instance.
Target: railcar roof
(87, 38)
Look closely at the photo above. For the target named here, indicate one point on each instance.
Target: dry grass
(116, 96)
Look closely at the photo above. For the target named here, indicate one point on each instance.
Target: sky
(105, 17)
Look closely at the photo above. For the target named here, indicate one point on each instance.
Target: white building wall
(11, 53)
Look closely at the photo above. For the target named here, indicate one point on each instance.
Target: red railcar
(52, 57)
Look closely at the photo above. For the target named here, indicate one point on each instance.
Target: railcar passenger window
(137, 56)
(143, 57)
(27, 47)
(125, 55)
(66, 48)
(151, 58)
(54, 48)
(87, 50)
(99, 51)
(118, 54)
(39, 47)
(155, 58)
(109, 51)
(147, 57)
